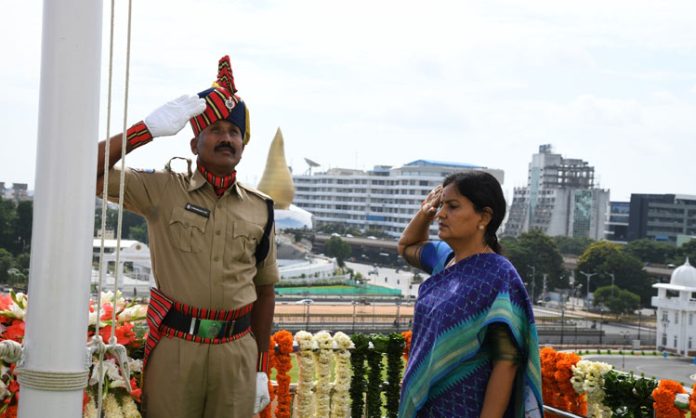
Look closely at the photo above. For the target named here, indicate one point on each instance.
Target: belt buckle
(209, 328)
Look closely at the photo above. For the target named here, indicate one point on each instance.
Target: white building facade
(560, 199)
(383, 199)
(676, 312)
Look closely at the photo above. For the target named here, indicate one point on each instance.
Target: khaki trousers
(185, 379)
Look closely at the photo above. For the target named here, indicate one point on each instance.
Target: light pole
(398, 313)
(354, 305)
(612, 283)
(587, 293)
(533, 281)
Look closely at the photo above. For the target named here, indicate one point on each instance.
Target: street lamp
(533, 281)
(612, 283)
(587, 294)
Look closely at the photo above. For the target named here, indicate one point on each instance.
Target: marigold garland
(323, 341)
(407, 346)
(664, 396)
(692, 401)
(267, 411)
(340, 400)
(571, 401)
(303, 404)
(282, 363)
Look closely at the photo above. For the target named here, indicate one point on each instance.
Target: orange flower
(15, 331)
(283, 364)
(692, 401)
(663, 397)
(266, 413)
(407, 347)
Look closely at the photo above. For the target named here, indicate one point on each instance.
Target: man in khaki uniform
(212, 311)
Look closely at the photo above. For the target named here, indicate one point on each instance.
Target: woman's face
(457, 219)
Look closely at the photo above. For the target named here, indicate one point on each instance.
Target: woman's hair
(484, 191)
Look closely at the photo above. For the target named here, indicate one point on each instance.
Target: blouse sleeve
(500, 343)
(434, 256)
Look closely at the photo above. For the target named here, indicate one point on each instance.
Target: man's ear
(194, 145)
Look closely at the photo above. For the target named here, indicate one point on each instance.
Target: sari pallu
(449, 366)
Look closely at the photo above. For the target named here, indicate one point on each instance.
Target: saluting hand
(171, 117)
(432, 202)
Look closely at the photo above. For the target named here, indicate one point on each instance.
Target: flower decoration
(664, 396)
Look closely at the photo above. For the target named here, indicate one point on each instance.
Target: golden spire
(276, 180)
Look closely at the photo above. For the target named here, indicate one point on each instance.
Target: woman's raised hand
(432, 202)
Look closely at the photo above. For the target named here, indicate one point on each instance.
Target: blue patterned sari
(449, 366)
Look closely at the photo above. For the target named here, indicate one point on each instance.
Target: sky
(364, 83)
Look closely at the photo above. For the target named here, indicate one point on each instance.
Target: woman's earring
(480, 227)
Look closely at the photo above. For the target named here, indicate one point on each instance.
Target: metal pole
(59, 275)
(587, 292)
(612, 284)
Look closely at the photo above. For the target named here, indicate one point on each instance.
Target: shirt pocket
(187, 230)
(245, 239)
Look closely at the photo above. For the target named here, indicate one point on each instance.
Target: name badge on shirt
(197, 210)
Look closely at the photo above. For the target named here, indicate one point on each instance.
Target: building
(676, 309)
(382, 199)
(560, 199)
(662, 217)
(617, 225)
(18, 191)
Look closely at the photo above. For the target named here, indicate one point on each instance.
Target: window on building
(675, 341)
(676, 317)
(691, 340)
(691, 318)
(664, 339)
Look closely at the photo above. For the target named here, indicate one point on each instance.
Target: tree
(618, 301)
(649, 251)
(6, 263)
(336, 247)
(22, 230)
(536, 249)
(572, 245)
(606, 258)
(7, 220)
(688, 249)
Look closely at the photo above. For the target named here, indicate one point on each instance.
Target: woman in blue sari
(474, 349)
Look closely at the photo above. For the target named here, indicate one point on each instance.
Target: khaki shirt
(205, 262)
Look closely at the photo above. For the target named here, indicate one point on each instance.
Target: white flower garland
(340, 400)
(322, 362)
(303, 405)
(111, 407)
(588, 379)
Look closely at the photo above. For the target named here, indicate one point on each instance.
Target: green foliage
(686, 250)
(536, 249)
(604, 257)
(650, 251)
(357, 384)
(6, 263)
(572, 245)
(336, 247)
(395, 348)
(133, 225)
(627, 396)
(619, 301)
(374, 374)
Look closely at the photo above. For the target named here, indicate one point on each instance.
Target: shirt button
(216, 259)
(218, 232)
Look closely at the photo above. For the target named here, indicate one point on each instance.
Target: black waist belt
(206, 328)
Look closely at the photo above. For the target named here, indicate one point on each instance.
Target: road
(679, 369)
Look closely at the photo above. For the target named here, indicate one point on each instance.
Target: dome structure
(684, 275)
(276, 180)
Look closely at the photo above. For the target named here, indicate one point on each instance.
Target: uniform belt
(206, 328)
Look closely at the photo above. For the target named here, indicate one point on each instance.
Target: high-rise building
(560, 199)
(383, 199)
(617, 225)
(662, 217)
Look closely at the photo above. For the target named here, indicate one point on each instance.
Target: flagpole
(53, 370)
